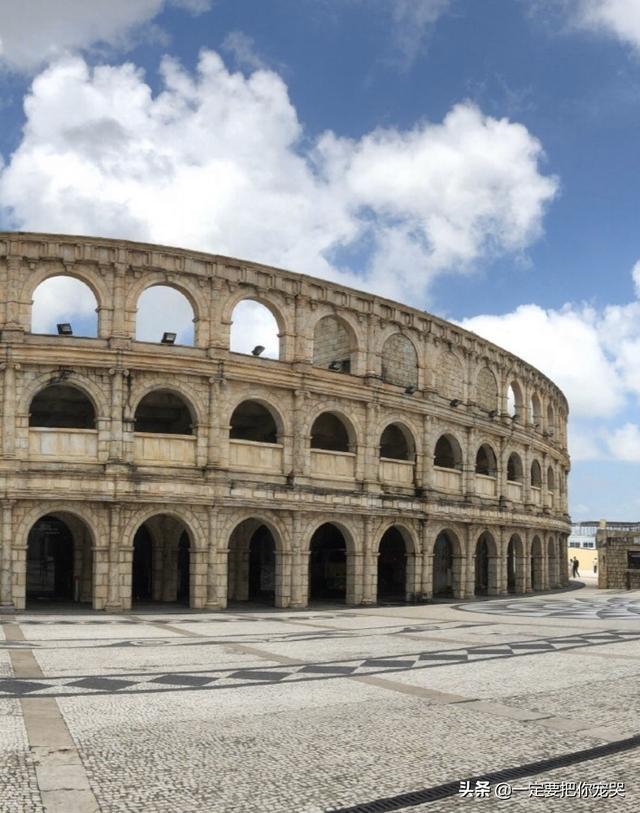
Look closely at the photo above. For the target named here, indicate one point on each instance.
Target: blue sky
(479, 160)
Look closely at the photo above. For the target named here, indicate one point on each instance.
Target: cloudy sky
(477, 159)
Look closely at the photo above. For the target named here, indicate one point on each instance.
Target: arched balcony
(62, 425)
(447, 464)
(164, 430)
(397, 456)
(332, 448)
(254, 439)
(486, 471)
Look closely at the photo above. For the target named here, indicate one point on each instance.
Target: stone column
(370, 564)
(370, 449)
(115, 590)
(502, 543)
(355, 566)
(426, 576)
(9, 410)
(6, 593)
(284, 560)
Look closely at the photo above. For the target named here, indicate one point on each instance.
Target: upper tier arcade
(375, 418)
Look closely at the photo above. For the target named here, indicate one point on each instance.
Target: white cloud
(635, 273)
(216, 162)
(624, 443)
(412, 21)
(620, 18)
(35, 31)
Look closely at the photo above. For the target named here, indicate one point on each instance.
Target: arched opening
(330, 433)
(551, 420)
(163, 412)
(63, 300)
(396, 443)
(514, 468)
(449, 378)
(515, 583)
(535, 411)
(486, 463)
(253, 421)
(443, 566)
(487, 390)
(162, 561)
(62, 406)
(485, 571)
(551, 479)
(254, 330)
(514, 401)
(392, 567)
(448, 454)
(328, 565)
(252, 574)
(162, 309)
(536, 474)
(59, 560)
(535, 570)
(334, 345)
(399, 361)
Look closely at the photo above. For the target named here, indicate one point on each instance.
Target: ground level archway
(328, 564)
(252, 563)
(392, 567)
(444, 575)
(161, 568)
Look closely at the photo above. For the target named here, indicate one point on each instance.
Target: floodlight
(493, 413)
(336, 366)
(410, 389)
(455, 402)
(257, 350)
(168, 338)
(65, 329)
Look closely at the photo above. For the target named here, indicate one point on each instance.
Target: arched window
(63, 300)
(163, 412)
(514, 468)
(551, 420)
(487, 390)
(62, 406)
(399, 361)
(396, 443)
(162, 309)
(448, 454)
(514, 401)
(329, 433)
(551, 479)
(486, 462)
(254, 330)
(536, 475)
(449, 378)
(536, 411)
(253, 421)
(333, 345)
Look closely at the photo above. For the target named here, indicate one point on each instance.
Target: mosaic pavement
(360, 711)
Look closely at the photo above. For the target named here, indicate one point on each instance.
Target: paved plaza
(361, 710)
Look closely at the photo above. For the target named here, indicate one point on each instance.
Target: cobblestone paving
(323, 711)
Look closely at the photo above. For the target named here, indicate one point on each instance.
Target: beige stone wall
(613, 551)
(110, 480)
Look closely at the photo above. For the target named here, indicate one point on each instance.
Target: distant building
(619, 555)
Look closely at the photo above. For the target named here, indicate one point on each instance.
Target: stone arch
(449, 377)
(335, 344)
(185, 285)
(551, 419)
(165, 411)
(487, 390)
(181, 298)
(536, 474)
(182, 513)
(448, 452)
(399, 359)
(536, 553)
(515, 471)
(485, 559)
(78, 562)
(96, 284)
(551, 479)
(486, 460)
(256, 419)
(62, 406)
(515, 400)
(345, 440)
(257, 329)
(255, 569)
(332, 561)
(447, 557)
(397, 442)
(396, 572)
(535, 408)
(516, 570)
(186, 393)
(93, 392)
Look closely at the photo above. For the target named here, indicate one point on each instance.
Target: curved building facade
(386, 455)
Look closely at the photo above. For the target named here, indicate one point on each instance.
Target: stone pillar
(355, 566)
(6, 593)
(114, 602)
(283, 578)
(370, 564)
(370, 450)
(9, 409)
(301, 440)
(502, 543)
(426, 576)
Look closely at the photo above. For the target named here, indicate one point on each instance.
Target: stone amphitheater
(386, 455)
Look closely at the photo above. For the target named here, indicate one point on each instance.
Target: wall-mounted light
(455, 402)
(410, 389)
(257, 350)
(493, 413)
(336, 366)
(169, 338)
(65, 329)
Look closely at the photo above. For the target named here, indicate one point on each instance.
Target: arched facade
(202, 475)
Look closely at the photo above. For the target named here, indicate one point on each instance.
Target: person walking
(576, 565)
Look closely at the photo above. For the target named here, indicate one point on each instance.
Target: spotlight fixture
(65, 329)
(257, 350)
(336, 366)
(493, 413)
(168, 338)
(410, 389)
(455, 402)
